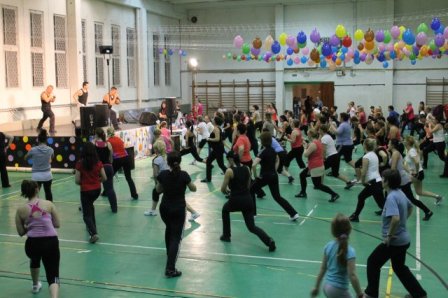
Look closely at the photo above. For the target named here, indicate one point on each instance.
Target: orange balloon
(360, 46)
(338, 61)
(256, 43)
(369, 35)
(369, 45)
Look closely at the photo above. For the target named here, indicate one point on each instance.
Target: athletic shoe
(193, 162)
(205, 181)
(301, 194)
(428, 216)
(172, 273)
(349, 185)
(272, 246)
(290, 179)
(150, 213)
(194, 216)
(295, 217)
(333, 198)
(354, 218)
(6, 186)
(135, 197)
(439, 200)
(36, 288)
(94, 238)
(379, 212)
(224, 238)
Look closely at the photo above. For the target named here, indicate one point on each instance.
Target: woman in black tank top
(104, 150)
(215, 142)
(190, 145)
(237, 179)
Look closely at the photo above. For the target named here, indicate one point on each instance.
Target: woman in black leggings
(216, 145)
(189, 140)
(173, 183)
(237, 179)
(39, 220)
(269, 160)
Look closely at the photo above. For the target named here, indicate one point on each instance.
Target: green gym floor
(129, 259)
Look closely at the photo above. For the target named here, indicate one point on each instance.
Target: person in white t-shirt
(209, 123)
(370, 178)
(203, 133)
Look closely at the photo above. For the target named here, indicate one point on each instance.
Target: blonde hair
(410, 141)
(370, 144)
(159, 148)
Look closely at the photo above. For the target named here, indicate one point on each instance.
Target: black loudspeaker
(87, 120)
(131, 156)
(101, 115)
(147, 118)
(171, 106)
(106, 49)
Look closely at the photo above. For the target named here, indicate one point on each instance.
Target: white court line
(284, 223)
(201, 253)
(308, 215)
(417, 242)
(53, 184)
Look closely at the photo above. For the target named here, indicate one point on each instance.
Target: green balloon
(319, 48)
(302, 45)
(432, 45)
(412, 56)
(422, 28)
(246, 48)
(229, 55)
(260, 58)
(238, 58)
(387, 36)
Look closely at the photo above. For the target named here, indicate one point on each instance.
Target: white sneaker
(194, 216)
(150, 213)
(295, 217)
(36, 288)
(193, 162)
(439, 200)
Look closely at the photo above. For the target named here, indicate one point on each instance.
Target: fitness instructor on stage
(46, 98)
(111, 99)
(80, 99)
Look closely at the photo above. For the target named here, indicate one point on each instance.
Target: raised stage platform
(67, 146)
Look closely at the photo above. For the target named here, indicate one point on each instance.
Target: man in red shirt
(408, 118)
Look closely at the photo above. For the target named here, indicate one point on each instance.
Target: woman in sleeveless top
(314, 153)
(296, 140)
(216, 145)
(39, 220)
(105, 155)
(236, 184)
(370, 178)
(396, 163)
(438, 142)
(190, 144)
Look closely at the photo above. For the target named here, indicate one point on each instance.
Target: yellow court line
(389, 281)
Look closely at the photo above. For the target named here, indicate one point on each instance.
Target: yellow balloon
(409, 47)
(59, 157)
(340, 31)
(282, 38)
(25, 139)
(359, 35)
(402, 29)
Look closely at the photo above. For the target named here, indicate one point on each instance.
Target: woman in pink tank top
(314, 153)
(39, 220)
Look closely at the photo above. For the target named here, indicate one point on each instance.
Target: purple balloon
(326, 49)
(291, 41)
(395, 32)
(435, 24)
(289, 51)
(421, 39)
(334, 40)
(255, 51)
(379, 36)
(416, 50)
(439, 40)
(315, 36)
(363, 57)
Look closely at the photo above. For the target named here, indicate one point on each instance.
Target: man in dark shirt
(46, 98)
(80, 99)
(5, 142)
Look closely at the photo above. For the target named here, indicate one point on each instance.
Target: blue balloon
(276, 47)
(392, 55)
(413, 62)
(344, 50)
(289, 62)
(356, 60)
(381, 57)
(440, 30)
(326, 49)
(248, 58)
(435, 24)
(301, 37)
(356, 54)
(289, 51)
(184, 53)
(342, 57)
(170, 52)
(408, 37)
(323, 63)
(334, 49)
(303, 60)
(334, 57)
(385, 64)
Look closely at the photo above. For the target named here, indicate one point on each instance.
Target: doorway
(324, 90)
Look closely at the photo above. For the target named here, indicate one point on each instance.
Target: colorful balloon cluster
(170, 52)
(396, 43)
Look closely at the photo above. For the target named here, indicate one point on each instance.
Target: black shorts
(420, 176)
(333, 162)
(346, 151)
(47, 250)
(358, 163)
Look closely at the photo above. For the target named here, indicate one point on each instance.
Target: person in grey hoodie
(40, 157)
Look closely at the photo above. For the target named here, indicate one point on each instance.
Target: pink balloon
(305, 51)
(350, 53)
(406, 51)
(445, 32)
(291, 41)
(390, 47)
(347, 59)
(238, 42)
(395, 32)
(381, 47)
(310, 62)
(297, 60)
(421, 39)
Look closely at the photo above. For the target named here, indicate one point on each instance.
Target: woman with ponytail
(173, 183)
(338, 264)
(190, 146)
